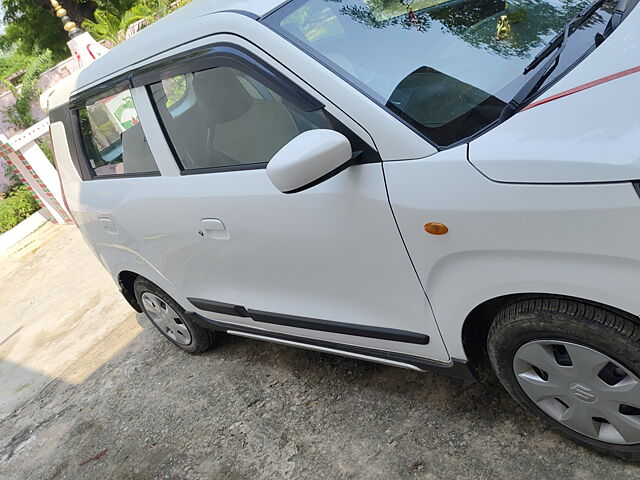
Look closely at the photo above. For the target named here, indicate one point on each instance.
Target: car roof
(157, 37)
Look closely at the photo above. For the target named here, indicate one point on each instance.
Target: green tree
(115, 6)
(165, 7)
(12, 62)
(112, 26)
(32, 25)
(19, 114)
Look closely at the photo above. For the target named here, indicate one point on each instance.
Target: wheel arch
(475, 328)
(126, 279)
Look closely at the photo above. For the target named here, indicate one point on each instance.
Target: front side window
(112, 137)
(446, 67)
(224, 118)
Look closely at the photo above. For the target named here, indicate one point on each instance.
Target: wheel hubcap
(166, 318)
(582, 388)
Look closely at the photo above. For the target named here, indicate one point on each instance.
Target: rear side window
(112, 137)
(222, 118)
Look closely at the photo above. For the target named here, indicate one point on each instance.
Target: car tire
(576, 366)
(169, 318)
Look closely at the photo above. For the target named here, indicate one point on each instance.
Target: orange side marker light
(436, 228)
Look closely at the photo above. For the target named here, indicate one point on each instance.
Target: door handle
(108, 225)
(213, 228)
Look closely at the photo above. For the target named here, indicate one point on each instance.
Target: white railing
(35, 170)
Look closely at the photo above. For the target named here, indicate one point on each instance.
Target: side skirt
(381, 333)
(456, 368)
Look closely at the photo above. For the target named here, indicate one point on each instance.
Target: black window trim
(225, 168)
(113, 176)
(224, 54)
(220, 54)
(216, 54)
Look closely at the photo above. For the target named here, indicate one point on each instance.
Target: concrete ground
(90, 390)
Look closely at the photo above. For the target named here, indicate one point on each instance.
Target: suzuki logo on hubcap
(582, 392)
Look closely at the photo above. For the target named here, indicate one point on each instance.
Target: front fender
(460, 282)
(577, 240)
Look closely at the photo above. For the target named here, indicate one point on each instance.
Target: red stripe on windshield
(584, 86)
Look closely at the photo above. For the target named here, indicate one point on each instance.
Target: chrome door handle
(213, 228)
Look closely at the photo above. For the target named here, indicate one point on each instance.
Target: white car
(428, 184)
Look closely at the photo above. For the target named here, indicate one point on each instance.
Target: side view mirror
(309, 159)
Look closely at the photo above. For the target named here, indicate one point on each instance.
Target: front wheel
(574, 365)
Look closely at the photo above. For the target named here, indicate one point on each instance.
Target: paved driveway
(89, 390)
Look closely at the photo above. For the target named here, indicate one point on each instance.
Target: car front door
(327, 263)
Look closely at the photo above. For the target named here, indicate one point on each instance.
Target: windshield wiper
(535, 82)
(561, 37)
(549, 58)
(622, 7)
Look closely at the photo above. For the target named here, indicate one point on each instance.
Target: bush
(17, 205)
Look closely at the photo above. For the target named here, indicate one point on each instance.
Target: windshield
(447, 68)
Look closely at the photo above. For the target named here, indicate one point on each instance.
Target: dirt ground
(89, 390)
